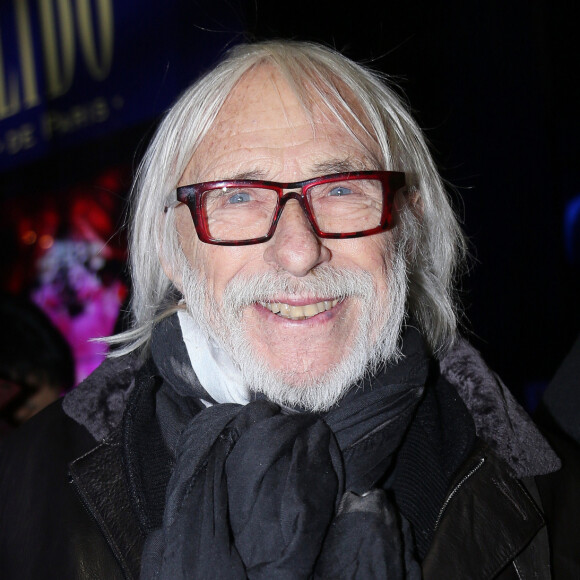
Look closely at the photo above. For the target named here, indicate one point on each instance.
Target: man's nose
(295, 247)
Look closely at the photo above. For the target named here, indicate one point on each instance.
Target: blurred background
(494, 85)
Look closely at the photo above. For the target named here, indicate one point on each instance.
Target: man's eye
(339, 191)
(240, 197)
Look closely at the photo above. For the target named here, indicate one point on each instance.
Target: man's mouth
(299, 312)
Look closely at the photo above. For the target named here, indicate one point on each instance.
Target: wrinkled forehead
(319, 97)
(260, 101)
(268, 109)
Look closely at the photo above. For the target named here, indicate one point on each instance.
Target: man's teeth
(299, 312)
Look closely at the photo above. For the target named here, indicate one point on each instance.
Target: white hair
(429, 235)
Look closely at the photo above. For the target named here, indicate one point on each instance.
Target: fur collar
(99, 401)
(499, 419)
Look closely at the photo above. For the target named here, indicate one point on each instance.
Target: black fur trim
(99, 401)
(499, 420)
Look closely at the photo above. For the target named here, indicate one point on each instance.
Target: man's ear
(416, 201)
(412, 198)
(170, 264)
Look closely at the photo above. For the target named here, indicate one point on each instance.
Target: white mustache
(324, 282)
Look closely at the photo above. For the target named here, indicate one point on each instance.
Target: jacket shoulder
(98, 403)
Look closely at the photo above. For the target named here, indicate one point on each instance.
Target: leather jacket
(492, 524)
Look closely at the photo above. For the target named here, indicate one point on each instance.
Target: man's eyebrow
(251, 174)
(343, 166)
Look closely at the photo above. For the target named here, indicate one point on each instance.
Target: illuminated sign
(71, 70)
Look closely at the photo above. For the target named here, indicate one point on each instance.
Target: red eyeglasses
(343, 205)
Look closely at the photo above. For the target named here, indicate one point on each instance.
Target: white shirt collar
(212, 365)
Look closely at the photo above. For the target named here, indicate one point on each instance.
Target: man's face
(263, 132)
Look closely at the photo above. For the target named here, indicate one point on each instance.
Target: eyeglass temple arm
(171, 204)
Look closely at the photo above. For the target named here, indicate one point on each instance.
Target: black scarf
(256, 491)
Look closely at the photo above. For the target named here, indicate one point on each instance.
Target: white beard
(376, 342)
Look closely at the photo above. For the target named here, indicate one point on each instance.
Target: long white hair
(429, 235)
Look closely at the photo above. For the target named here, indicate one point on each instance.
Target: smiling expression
(263, 132)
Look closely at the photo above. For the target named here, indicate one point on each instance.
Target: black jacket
(66, 512)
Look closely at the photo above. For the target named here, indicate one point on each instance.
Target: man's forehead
(263, 100)
(264, 125)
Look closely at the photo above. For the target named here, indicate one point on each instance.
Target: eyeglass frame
(192, 195)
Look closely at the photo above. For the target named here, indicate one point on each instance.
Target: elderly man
(293, 399)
